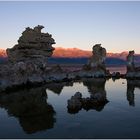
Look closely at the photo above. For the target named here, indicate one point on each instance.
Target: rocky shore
(27, 63)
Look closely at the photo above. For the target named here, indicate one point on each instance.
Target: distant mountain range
(77, 53)
(74, 53)
(78, 56)
(71, 53)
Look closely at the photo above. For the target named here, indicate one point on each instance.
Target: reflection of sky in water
(121, 119)
(117, 119)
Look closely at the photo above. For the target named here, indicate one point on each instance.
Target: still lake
(41, 112)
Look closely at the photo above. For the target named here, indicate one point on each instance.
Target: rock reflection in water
(131, 85)
(96, 88)
(97, 99)
(30, 107)
(58, 87)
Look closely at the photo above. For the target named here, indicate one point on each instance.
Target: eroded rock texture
(28, 62)
(33, 46)
(98, 57)
(133, 71)
(130, 61)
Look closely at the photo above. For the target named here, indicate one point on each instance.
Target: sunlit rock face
(33, 46)
(98, 57)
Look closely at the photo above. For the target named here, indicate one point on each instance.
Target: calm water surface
(41, 112)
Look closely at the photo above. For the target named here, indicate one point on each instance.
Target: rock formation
(95, 66)
(130, 61)
(98, 57)
(33, 46)
(28, 62)
(27, 59)
(133, 72)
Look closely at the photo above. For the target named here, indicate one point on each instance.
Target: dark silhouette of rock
(75, 103)
(30, 107)
(131, 85)
(58, 87)
(95, 85)
(97, 99)
(130, 94)
(116, 75)
(96, 88)
(33, 46)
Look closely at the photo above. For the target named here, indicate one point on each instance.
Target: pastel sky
(116, 25)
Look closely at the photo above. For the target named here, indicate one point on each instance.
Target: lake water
(41, 112)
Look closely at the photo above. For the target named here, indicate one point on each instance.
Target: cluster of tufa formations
(27, 62)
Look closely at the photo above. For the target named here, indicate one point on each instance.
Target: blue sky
(116, 25)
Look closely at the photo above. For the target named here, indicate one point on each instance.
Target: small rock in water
(78, 95)
(74, 104)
